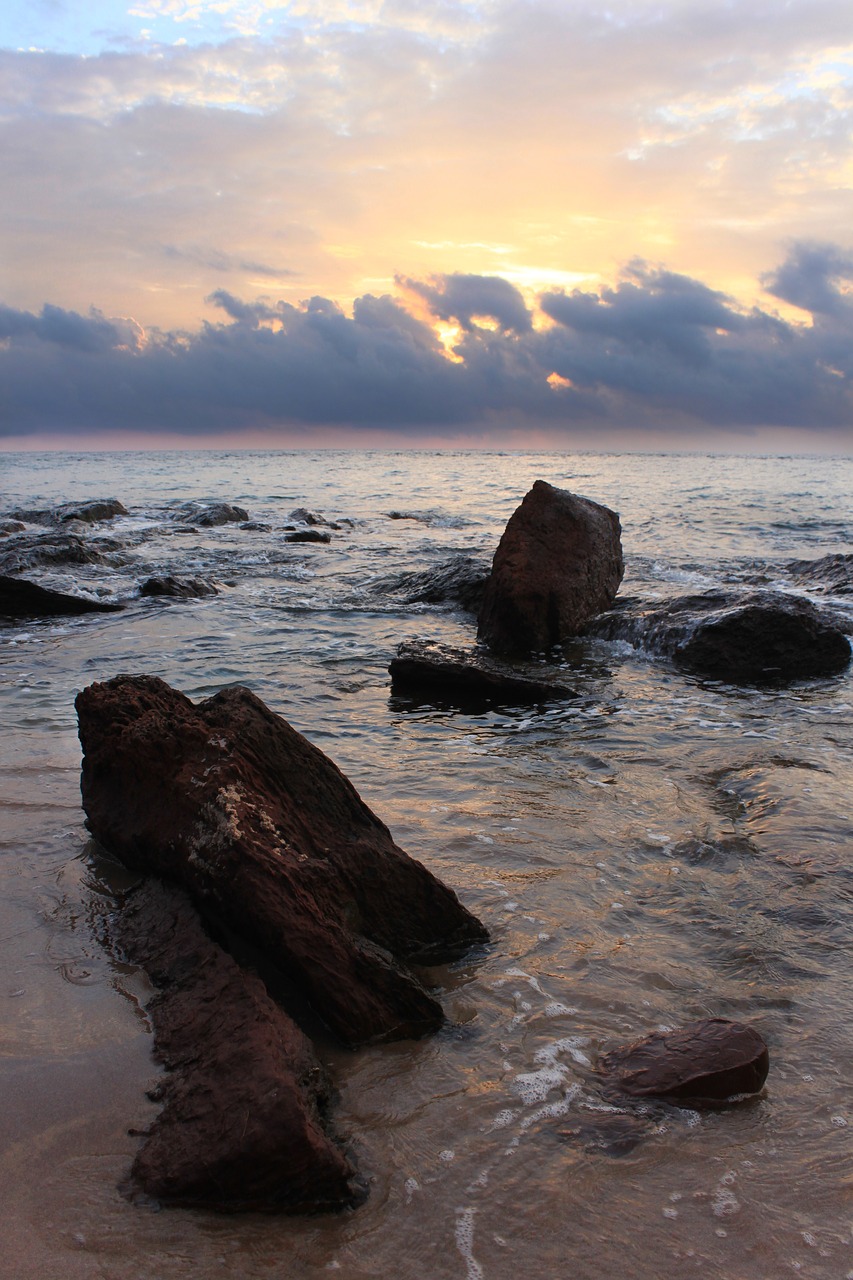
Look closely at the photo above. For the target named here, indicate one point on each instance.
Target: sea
(657, 849)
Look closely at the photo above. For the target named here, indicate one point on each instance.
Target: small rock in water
(90, 512)
(832, 573)
(308, 535)
(613, 1134)
(459, 581)
(177, 588)
(212, 514)
(303, 516)
(710, 1060)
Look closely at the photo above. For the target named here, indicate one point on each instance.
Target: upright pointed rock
(558, 564)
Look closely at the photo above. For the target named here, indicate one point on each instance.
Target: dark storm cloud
(659, 350)
(813, 277)
(90, 333)
(467, 298)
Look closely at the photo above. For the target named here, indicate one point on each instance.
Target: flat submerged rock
(424, 667)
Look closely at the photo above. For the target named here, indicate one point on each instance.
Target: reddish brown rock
(266, 833)
(558, 564)
(709, 1060)
(244, 1096)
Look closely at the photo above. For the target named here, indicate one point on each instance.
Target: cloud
(353, 142)
(471, 298)
(816, 278)
(656, 350)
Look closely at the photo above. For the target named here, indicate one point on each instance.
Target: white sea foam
(465, 1242)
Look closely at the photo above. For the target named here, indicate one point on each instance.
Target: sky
(532, 223)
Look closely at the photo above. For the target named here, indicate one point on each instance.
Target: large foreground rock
(558, 564)
(267, 834)
(710, 1060)
(424, 667)
(22, 599)
(244, 1098)
(761, 638)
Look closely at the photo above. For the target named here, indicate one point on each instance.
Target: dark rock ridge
(425, 667)
(208, 515)
(177, 588)
(459, 581)
(22, 599)
(90, 512)
(710, 1060)
(32, 551)
(264, 831)
(754, 639)
(242, 1125)
(558, 564)
(832, 574)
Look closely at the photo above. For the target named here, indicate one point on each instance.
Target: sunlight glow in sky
(163, 153)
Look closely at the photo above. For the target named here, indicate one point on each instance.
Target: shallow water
(657, 850)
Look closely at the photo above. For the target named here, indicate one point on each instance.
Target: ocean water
(657, 850)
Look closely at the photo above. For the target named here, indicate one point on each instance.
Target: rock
(178, 588)
(210, 514)
(11, 526)
(22, 599)
(303, 516)
(308, 535)
(611, 1133)
(755, 639)
(558, 564)
(460, 581)
(255, 526)
(244, 1097)
(469, 675)
(832, 574)
(265, 832)
(710, 1060)
(33, 551)
(89, 512)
